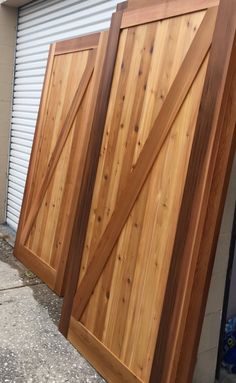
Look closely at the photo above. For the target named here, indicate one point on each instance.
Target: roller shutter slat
(76, 12)
(41, 23)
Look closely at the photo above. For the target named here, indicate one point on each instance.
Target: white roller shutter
(41, 23)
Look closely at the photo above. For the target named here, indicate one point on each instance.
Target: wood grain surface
(127, 181)
(60, 143)
(191, 248)
(58, 157)
(91, 163)
(157, 136)
(150, 124)
(99, 355)
(141, 11)
(138, 5)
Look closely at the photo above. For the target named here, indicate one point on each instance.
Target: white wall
(232, 294)
(208, 348)
(8, 21)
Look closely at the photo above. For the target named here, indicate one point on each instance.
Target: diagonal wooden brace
(60, 144)
(158, 134)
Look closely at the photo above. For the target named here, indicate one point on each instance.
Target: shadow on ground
(32, 350)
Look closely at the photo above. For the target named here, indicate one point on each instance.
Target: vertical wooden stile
(224, 149)
(167, 129)
(58, 156)
(198, 181)
(84, 203)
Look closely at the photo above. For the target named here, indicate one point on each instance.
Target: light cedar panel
(58, 156)
(201, 210)
(155, 96)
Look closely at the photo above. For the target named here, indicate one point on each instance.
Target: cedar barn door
(58, 156)
(157, 86)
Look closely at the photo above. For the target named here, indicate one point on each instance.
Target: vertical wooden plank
(182, 265)
(66, 72)
(55, 187)
(116, 293)
(140, 68)
(152, 147)
(148, 280)
(33, 158)
(108, 179)
(83, 208)
(79, 145)
(60, 144)
(224, 150)
(148, 284)
(49, 131)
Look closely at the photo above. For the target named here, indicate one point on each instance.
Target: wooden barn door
(58, 156)
(151, 126)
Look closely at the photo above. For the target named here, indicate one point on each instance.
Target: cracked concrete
(32, 350)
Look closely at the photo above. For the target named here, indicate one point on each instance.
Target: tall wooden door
(58, 156)
(153, 119)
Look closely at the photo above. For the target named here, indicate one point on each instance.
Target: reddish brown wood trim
(28, 187)
(164, 10)
(226, 143)
(161, 127)
(83, 42)
(89, 176)
(61, 279)
(67, 125)
(101, 358)
(41, 269)
(77, 44)
(179, 280)
(137, 4)
(122, 6)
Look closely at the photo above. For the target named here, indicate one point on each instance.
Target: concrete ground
(32, 350)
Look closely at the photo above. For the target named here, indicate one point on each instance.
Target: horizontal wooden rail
(164, 11)
(77, 44)
(101, 357)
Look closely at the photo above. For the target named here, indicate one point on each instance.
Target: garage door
(40, 23)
